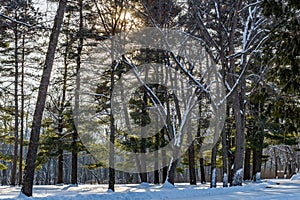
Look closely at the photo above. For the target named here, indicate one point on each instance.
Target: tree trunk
(164, 158)
(200, 141)
(173, 165)
(192, 170)
(247, 164)
(78, 65)
(258, 151)
(40, 105)
(111, 181)
(213, 175)
(240, 142)
(276, 163)
(202, 170)
(176, 148)
(224, 157)
(156, 170)
(22, 114)
(60, 167)
(143, 172)
(16, 99)
(237, 178)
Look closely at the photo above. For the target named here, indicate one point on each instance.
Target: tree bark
(78, 66)
(111, 181)
(156, 170)
(60, 167)
(237, 107)
(192, 170)
(247, 163)
(200, 141)
(176, 149)
(259, 143)
(213, 174)
(173, 165)
(164, 158)
(224, 157)
(22, 114)
(202, 170)
(16, 99)
(143, 173)
(40, 105)
(240, 142)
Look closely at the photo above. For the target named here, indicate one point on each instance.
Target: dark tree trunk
(60, 156)
(247, 166)
(172, 169)
(143, 172)
(202, 170)
(16, 99)
(237, 178)
(230, 154)
(259, 143)
(276, 163)
(239, 143)
(192, 170)
(40, 105)
(78, 65)
(22, 114)
(111, 179)
(164, 158)
(213, 168)
(60, 167)
(200, 141)
(176, 149)
(257, 162)
(156, 170)
(224, 157)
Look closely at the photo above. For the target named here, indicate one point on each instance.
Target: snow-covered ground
(283, 189)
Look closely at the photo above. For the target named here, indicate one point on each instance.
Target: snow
(268, 189)
(238, 177)
(257, 177)
(168, 185)
(296, 177)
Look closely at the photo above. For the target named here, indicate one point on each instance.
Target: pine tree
(37, 118)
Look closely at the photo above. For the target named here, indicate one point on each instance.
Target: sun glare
(125, 15)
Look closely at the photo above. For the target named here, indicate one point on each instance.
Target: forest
(148, 91)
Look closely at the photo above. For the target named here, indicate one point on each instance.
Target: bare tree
(230, 31)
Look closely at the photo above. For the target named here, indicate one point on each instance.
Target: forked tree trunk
(172, 169)
(41, 99)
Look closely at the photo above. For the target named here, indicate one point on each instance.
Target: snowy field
(283, 189)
